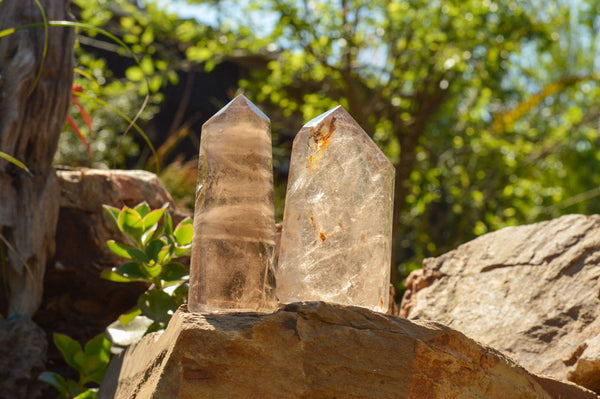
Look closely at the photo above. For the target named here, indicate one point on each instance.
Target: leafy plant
(151, 259)
(77, 91)
(90, 362)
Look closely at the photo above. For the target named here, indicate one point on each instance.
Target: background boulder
(530, 291)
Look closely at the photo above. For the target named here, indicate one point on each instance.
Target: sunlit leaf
(138, 255)
(131, 223)
(128, 316)
(69, 348)
(142, 209)
(153, 217)
(157, 305)
(174, 271)
(183, 234)
(119, 249)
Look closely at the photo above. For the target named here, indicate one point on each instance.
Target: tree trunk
(31, 118)
(409, 140)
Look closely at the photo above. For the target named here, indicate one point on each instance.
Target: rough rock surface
(22, 352)
(318, 350)
(530, 291)
(84, 227)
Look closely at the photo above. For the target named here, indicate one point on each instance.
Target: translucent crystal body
(337, 227)
(234, 226)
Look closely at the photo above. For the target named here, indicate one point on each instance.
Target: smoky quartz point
(234, 225)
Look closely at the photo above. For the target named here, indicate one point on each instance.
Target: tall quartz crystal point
(234, 224)
(337, 226)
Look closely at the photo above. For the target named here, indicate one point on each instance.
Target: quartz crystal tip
(239, 105)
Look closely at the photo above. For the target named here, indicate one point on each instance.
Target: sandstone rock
(84, 227)
(318, 350)
(529, 291)
(22, 354)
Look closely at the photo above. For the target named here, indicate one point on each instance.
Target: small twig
(18, 256)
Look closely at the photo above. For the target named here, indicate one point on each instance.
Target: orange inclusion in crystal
(321, 135)
(322, 235)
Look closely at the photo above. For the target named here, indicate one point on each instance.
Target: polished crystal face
(234, 227)
(337, 227)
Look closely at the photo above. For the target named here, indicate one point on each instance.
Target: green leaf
(13, 160)
(154, 327)
(69, 348)
(97, 375)
(153, 217)
(74, 390)
(198, 54)
(153, 270)
(7, 32)
(154, 248)
(138, 255)
(157, 305)
(111, 275)
(183, 234)
(119, 249)
(128, 316)
(182, 251)
(113, 212)
(134, 73)
(142, 209)
(164, 256)
(54, 379)
(148, 234)
(98, 346)
(186, 221)
(168, 225)
(93, 368)
(79, 360)
(89, 393)
(131, 223)
(173, 272)
(180, 294)
(131, 270)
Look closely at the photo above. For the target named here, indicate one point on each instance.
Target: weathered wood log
(32, 115)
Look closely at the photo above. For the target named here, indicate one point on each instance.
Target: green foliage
(123, 95)
(90, 362)
(487, 108)
(151, 259)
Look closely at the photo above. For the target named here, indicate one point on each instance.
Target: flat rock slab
(318, 350)
(530, 291)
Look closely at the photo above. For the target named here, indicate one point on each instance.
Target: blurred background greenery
(488, 109)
